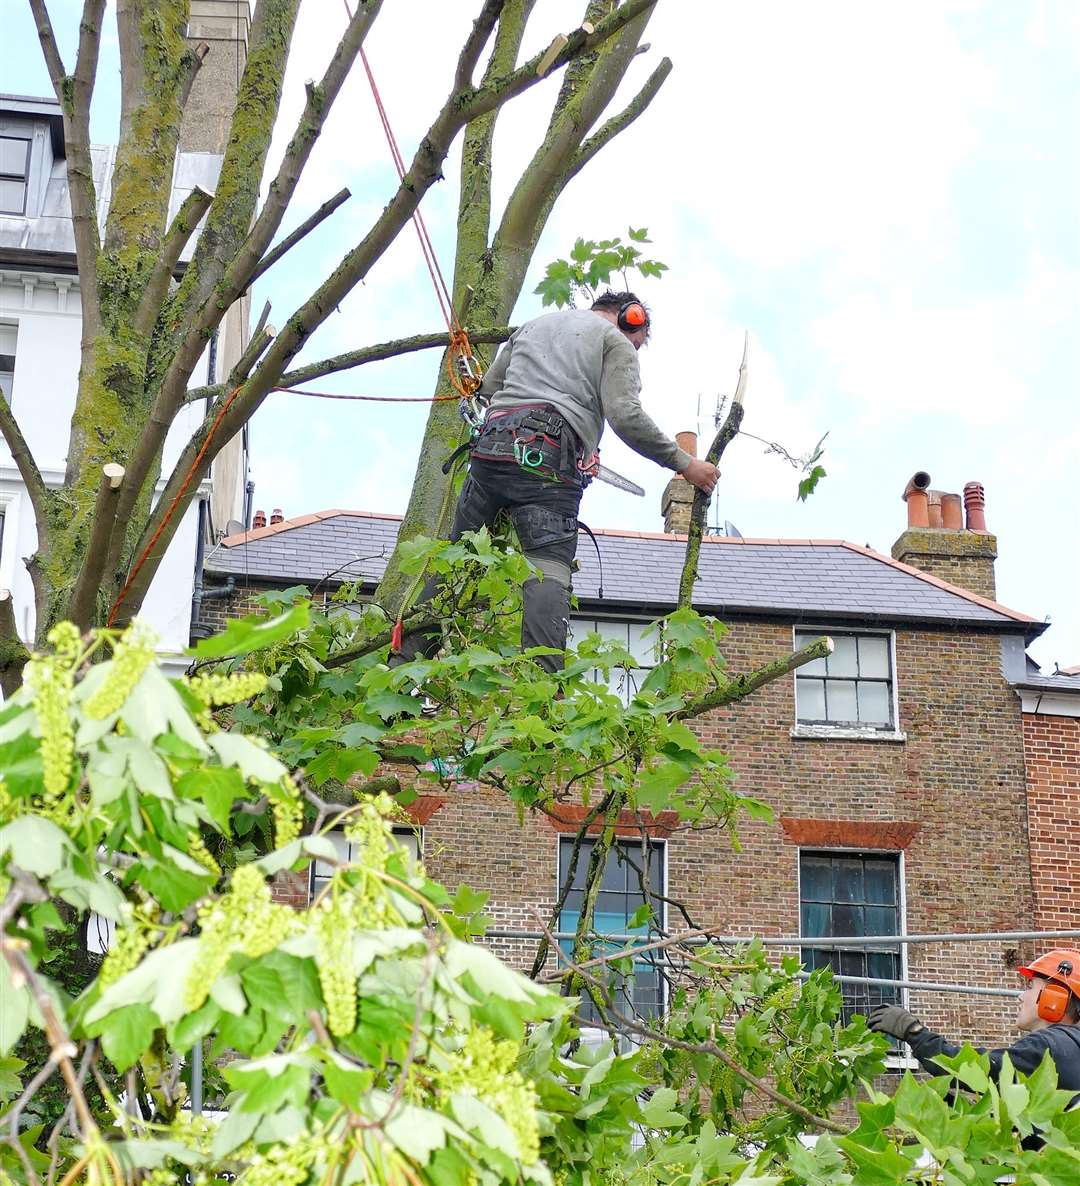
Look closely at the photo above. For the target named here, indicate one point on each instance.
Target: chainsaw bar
(618, 481)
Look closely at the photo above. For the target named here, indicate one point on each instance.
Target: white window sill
(901, 1062)
(844, 733)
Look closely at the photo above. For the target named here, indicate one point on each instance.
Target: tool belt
(535, 437)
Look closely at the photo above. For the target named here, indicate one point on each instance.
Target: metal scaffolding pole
(929, 986)
(816, 940)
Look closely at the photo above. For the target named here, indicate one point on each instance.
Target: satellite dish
(731, 529)
(234, 527)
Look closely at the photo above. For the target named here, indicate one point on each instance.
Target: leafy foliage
(364, 1036)
(592, 263)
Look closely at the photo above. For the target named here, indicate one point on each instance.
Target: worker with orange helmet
(1048, 1012)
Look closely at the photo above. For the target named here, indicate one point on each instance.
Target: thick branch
(475, 42)
(356, 358)
(87, 584)
(305, 228)
(49, 50)
(13, 654)
(28, 470)
(727, 433)
(193, 207)
(618, 123)
(741, 686)
(208, 302)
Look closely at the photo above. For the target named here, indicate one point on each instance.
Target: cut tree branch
(305, 228)
(84, 595)
(741, 686)
(193, 207)
(727, 433)
(475, 42)
(14, 653)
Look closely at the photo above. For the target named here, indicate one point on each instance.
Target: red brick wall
(951, 796)
(1052, 746)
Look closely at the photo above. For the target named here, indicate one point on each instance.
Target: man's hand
(702, 474)
(894, 1020)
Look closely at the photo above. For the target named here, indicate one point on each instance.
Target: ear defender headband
(632, 316)
(1053, 1000)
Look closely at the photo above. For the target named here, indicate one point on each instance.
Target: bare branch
(84, 595)
(356, 358)
(49, 50)
(618, 123)
(726, 434)
(741, 686)
(28, 470)
(475, 42)
(194, 60)
(306, 227)
(193, 207)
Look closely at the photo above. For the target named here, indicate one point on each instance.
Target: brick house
(896, 769)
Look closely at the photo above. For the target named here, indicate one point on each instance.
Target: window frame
(399, 830)
(23, 178)
(898, 1058)
(849, 729)
(661, 846)
(625, 692)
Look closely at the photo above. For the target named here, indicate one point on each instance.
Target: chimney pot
(276, 516)
(258, 520)
(951, 517)
(975, 506)
(915, 497)
(687, 441)
(933, 509)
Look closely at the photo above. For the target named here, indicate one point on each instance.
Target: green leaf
(126, 1033)
(14, 1009)
(234, 749)
(241, 636)
(639, 236)
(415, 1131)
(283, 985)
(269, 1082)
(659, 1111)
(154, 708)
(809, 484)
(232, 1132)
(195, 1026)
(39, 844)
(160, 980)
(174, 888)
(217, 786)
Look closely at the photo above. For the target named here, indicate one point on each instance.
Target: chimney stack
(258, 520)
(936, 539)
(677, 501)
(222, 26)
(276, 516)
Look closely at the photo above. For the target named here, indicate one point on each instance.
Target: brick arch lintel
(830, 833)
(568, 817)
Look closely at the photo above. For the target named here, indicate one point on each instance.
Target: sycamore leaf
(14, 1009)
(241, 636)
(809, 484)
(126, 1033)
(234, 749)
(160, 981)
(37, 844)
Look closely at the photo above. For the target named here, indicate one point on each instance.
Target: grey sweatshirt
(585, 367)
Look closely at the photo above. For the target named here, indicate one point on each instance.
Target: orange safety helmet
(1061, 967)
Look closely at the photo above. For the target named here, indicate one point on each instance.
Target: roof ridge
(937, 582)
(246, 537)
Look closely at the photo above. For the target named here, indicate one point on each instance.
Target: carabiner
(524, 456)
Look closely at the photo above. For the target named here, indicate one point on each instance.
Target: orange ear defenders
(1061, 968)
(632, 316)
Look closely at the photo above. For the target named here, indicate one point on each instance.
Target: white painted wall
(44, 309)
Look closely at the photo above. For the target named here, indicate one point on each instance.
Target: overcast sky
(887, 198)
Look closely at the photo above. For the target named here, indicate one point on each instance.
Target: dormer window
(14, 174)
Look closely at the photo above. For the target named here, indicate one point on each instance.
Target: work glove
(894, 1020)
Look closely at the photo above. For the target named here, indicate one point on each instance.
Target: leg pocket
(540, 527)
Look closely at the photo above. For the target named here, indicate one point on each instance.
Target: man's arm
(620, 399)
(1024, 1055)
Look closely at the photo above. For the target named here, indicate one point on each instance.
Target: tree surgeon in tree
(550, 391)
(1048, 1012)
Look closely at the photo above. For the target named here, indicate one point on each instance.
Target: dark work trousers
(544, 513)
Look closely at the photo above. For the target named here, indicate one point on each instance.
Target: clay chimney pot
(276, 516)
(915, 497)
(975, 506)
(258, 520)
(687, 441)
(951, 517)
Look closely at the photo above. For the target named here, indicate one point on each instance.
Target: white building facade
(40, 325)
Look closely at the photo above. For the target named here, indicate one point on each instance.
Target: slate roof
(799, 580)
